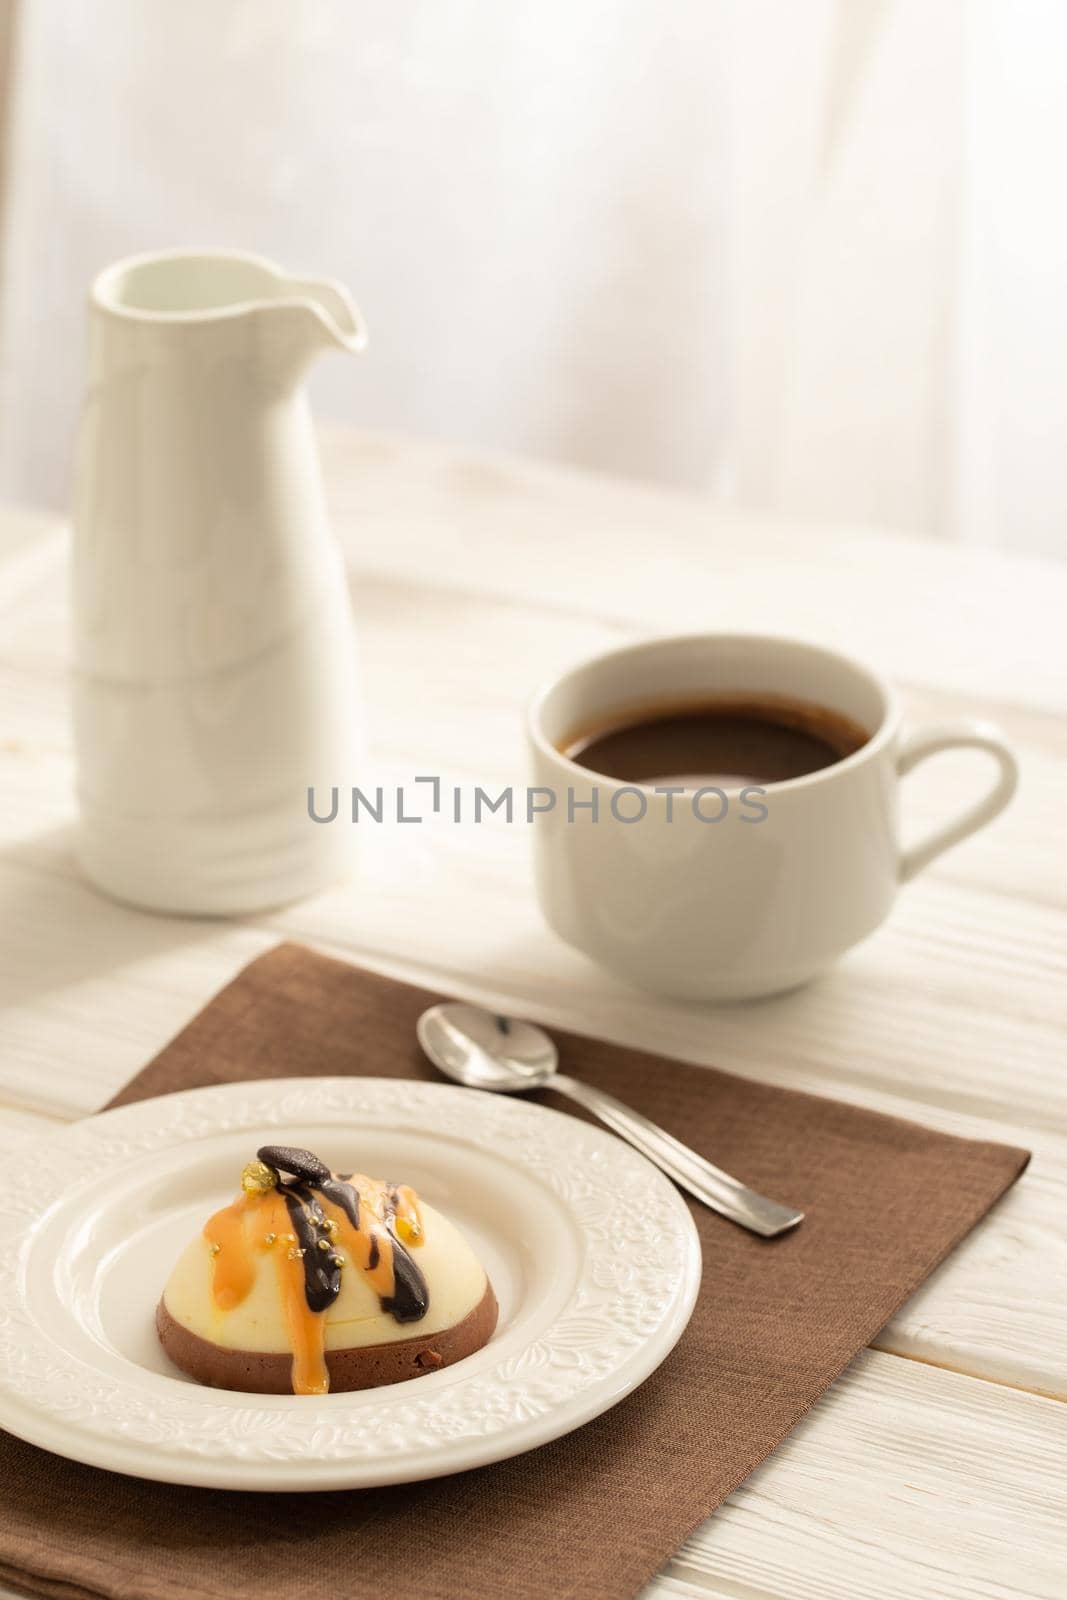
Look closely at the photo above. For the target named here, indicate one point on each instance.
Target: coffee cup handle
(957, 736)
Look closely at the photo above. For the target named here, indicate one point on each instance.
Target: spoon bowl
(484, 1051)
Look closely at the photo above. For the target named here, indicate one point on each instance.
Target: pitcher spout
(308, 317)
(339, 324)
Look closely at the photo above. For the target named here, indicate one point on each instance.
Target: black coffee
(726, 742)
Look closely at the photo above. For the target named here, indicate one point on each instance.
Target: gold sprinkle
(324, 1244)
(294, 1255)
(330, 1225)
(258, 1178)
(339, 1261)
(215, 1248)
(269, 1238)
(290, 1238)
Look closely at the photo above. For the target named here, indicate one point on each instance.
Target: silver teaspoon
(483, 1051)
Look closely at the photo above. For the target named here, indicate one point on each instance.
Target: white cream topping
(454, 1276)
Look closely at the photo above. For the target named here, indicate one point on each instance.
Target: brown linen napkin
(595, 1514)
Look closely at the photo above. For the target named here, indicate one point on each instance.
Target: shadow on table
(57, 930)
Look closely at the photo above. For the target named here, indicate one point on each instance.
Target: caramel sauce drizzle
(316, 1225)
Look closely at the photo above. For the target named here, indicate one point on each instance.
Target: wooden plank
(18, 1128)
(904, 1482)
(970, 622)
(966, 620)
(465, 715)
(90, 990)
(32, 547)
(956, 1002)
(995, 1309)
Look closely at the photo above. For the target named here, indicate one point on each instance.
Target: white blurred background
(806, 255)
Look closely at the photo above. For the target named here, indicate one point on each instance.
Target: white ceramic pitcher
(214, 668)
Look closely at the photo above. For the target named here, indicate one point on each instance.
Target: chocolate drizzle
(343, 1193)
(322, 1261)
(409, 1299)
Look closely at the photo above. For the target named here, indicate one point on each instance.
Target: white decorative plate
(592, 1253)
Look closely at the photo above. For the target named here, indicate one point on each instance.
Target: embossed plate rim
(630, 1308)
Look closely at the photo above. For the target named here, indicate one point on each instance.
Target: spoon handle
(689, 1170)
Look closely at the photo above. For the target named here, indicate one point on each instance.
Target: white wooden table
(937, 1466)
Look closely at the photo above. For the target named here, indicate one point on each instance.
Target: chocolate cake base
(363, 1367)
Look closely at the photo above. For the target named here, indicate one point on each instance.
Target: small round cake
(314, 1281)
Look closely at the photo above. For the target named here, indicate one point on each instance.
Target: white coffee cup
(659, 891)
